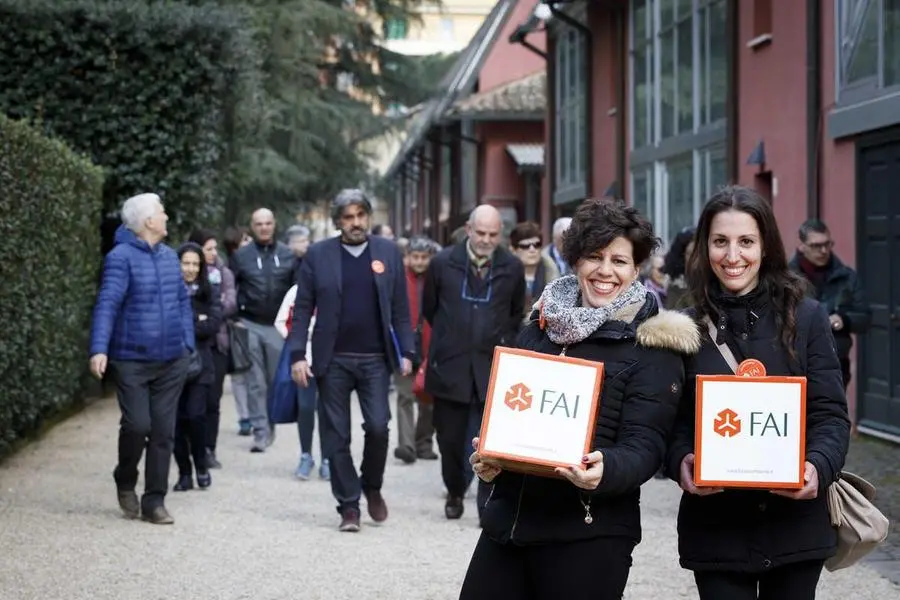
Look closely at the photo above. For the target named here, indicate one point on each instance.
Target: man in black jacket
(356, 285)
(263, 273)
(474, 299)
(835, 285)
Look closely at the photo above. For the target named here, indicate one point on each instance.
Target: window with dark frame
(679, 76)
(868, 48)
(570, 119)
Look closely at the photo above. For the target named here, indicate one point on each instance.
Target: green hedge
(50, 207)
(154, 92)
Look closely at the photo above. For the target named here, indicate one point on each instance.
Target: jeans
(370, 376)
(148, 394)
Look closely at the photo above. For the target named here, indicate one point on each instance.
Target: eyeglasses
(528, 245)
(464, 294)
(821, 246)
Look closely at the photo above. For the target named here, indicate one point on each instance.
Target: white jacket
(282, 317)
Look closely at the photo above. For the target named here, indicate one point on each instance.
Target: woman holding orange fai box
(536, 530)
(747, 543)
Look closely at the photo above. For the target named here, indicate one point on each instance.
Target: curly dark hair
(596, 223)
(786, 289)
(674, 265)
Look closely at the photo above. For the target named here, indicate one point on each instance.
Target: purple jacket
(221, 276)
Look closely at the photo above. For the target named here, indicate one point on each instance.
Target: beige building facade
(440, 29)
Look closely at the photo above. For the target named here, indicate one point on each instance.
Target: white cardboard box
(750, 432)
(540, 410)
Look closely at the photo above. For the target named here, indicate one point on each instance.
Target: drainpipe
(621, 17)
(732, 100)
(813, 104)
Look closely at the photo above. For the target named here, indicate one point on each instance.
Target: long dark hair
(204, 289)
(786, 289)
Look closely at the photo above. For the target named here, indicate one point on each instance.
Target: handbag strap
(723, 348)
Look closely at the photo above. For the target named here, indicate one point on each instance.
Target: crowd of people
(367, 312)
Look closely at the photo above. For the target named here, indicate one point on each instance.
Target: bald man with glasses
(473, 298)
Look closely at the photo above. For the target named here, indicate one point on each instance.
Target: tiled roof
(527, 155)
(525, 95)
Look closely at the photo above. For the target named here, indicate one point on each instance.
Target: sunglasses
(528, 246)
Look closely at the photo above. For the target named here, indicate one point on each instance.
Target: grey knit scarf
(567, 322)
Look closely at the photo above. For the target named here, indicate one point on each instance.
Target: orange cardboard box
(750, 432)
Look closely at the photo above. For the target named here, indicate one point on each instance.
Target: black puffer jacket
(642, 381)
(206, 303)
(263, 275)
(754, 531)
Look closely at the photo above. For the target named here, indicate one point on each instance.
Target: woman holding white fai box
(745, 544)
(537, 530)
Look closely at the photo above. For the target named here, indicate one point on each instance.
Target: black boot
(185, 483)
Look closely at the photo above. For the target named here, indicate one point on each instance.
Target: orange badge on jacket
(751, 368)
(378, 267)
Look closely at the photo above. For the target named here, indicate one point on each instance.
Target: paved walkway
(259, 534)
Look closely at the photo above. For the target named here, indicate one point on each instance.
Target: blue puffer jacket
(143, 310)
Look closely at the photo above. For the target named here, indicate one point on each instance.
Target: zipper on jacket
(512, 531)
(162, 306)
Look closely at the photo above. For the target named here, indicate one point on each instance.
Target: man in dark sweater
(356, 285)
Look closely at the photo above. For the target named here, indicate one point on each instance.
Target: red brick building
(661, 101)
(480, 140)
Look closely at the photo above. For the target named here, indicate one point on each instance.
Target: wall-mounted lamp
(758, 156)
(612, 190)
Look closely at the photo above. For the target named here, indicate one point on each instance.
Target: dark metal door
(878, 259)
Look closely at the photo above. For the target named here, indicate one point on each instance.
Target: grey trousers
(265, 350)
(148, 394)
(415, 434)
(239, 390)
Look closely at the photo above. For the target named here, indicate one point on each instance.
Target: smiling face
(606, 273)
(735, 251)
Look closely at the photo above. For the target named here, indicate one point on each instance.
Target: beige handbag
(861, 527)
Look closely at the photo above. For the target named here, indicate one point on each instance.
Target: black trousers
(549, 571)
(454, 423)
(148, 395)
(370, 376)
(796, 581)
(190, 429)
(214, 399)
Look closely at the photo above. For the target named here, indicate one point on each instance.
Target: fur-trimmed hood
(670, 330)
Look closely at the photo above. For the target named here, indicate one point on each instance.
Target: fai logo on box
(727, 423)
(518, 397)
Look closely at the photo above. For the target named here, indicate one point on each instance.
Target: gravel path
(259, 534)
